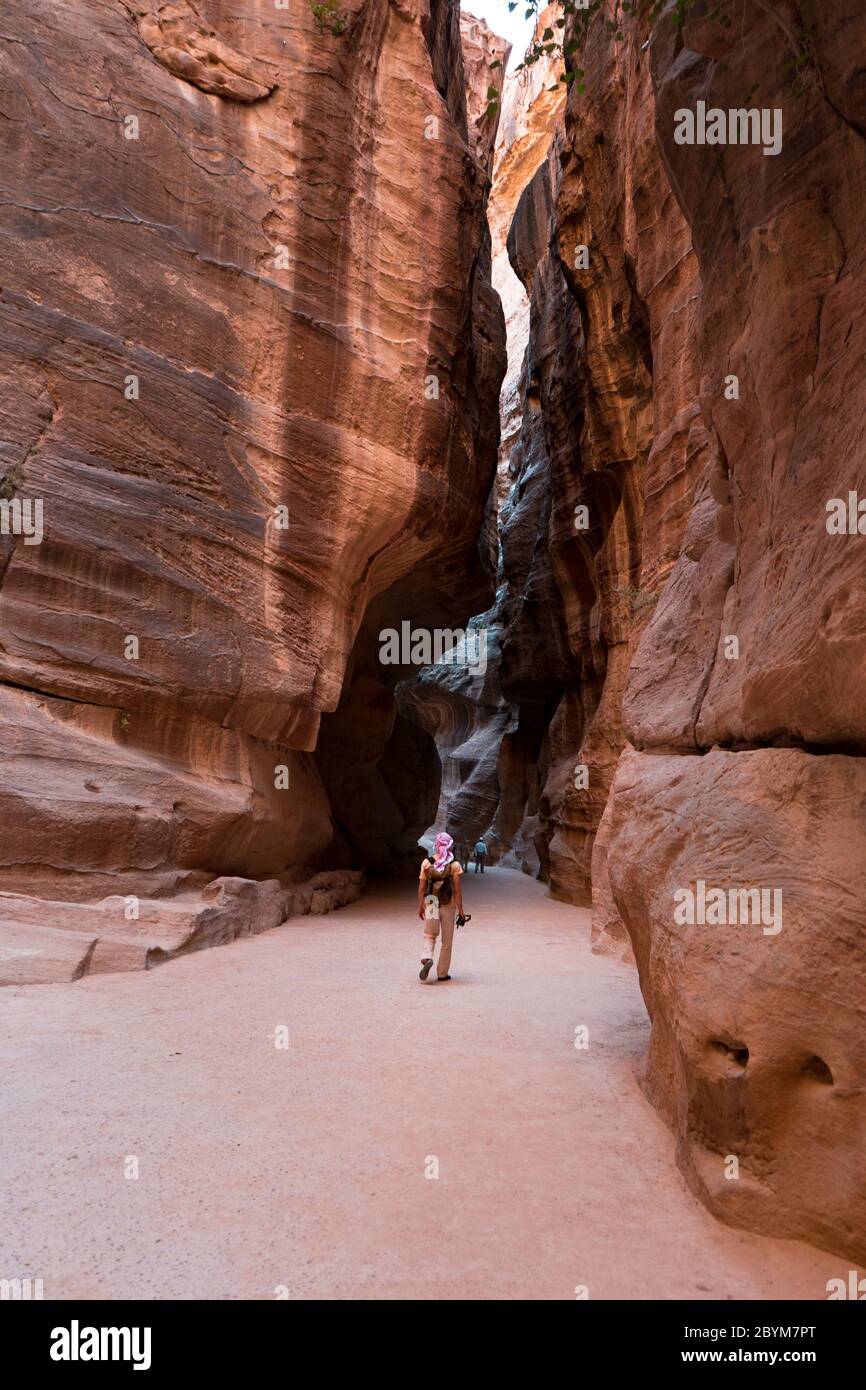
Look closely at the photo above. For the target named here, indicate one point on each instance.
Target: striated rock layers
(602, 444)
(236, 250)
(381, 767)
(745, 696)
(612, 442)
(683, 537)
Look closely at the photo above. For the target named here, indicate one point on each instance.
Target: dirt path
(305, 1167)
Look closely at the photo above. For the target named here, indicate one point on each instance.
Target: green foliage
(613, 14)
(802, 62)
(10, 484)
(551, 43)
(330, 19)
(638, 601)
(493, 94)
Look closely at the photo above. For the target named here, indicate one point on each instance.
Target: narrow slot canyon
(403, 433)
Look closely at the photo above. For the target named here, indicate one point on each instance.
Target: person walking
(440, 893)
(480, 856)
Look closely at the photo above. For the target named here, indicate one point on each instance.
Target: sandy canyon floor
(302, 1168)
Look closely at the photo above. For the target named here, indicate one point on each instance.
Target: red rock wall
(488, 743)
(599, 431)
(378, 761)
(707, 522)
(279, 258)
(750, 769)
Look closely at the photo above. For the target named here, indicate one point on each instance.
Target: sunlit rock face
(485, 56)
(532, 103)
(238, 251)
(379, 764)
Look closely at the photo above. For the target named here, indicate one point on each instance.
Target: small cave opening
(816, 1069)
(731, 1057)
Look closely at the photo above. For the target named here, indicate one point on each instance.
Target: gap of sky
(509, 24)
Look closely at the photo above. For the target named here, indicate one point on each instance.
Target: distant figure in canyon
(480, 856)
(439, 893)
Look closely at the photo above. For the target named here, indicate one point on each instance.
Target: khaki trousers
(431, 931)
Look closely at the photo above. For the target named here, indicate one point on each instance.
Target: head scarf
(443, 853)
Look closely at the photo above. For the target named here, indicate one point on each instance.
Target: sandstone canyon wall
(744, 701)
(379, 764)
(584, 425)
(250, 361)
(678, 640)
(236, 244)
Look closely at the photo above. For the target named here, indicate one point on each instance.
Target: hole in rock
(817, 1070)
(737, 1054)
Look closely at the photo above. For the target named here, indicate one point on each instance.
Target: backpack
(445, 892)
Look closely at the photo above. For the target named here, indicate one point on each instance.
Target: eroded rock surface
(43, 941)
(682, 638)
(381, 768)
(485, 56)
(745, 693)
(233, 258)
(599, 456)
(532, 104)
(699, 380)
(177, 38)
(460, 704)
(757, 1047)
